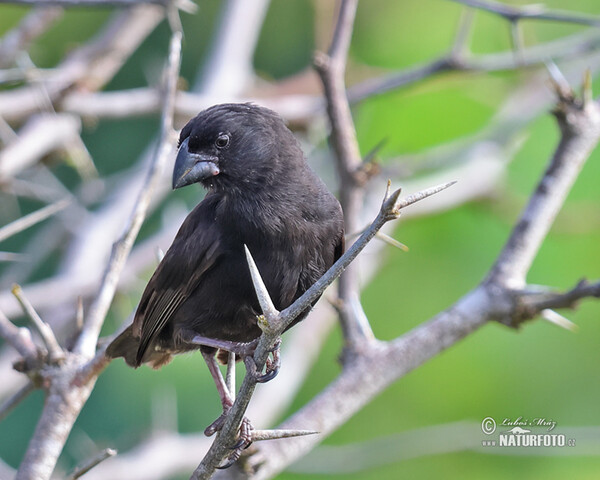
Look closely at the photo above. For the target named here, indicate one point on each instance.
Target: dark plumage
(261, 193)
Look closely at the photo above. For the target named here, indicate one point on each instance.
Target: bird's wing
(195, 250)
(340, 246)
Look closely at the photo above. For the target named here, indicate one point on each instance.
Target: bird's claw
(244, 436)
(244, 440)
(272, 365)
(216, 426)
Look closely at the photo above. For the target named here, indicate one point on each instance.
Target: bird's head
(234, 145)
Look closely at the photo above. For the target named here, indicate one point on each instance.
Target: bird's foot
(244, 437)
(271, 367)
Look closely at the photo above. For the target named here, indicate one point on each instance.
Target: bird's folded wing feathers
(177, 276)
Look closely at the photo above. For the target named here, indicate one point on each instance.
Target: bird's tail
(126, 346)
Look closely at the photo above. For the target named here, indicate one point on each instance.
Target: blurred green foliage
(538, 371)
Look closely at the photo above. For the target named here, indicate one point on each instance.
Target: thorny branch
(579, 137)
(276, 322)
(491, 300)
(531, 12)
(352, 174)
(459, 57)
(461, 60)
(532, 303)
(185, 5)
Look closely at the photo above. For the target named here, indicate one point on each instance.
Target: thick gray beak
(192, 167)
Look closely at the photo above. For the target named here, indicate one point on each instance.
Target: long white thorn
(558, 320)
(266, 304)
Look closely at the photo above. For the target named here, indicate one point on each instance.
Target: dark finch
(261, 193)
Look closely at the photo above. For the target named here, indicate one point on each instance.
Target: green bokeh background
(540, 371)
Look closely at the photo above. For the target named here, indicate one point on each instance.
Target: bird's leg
(245, 350)
(213, 368)
(245, 432)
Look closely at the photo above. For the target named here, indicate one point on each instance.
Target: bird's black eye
(222, 140)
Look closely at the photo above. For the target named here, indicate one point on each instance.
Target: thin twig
(32, 219)
(531, 12)
(537, 55)
(86, 466)
(516, 35)
(18, 338)
(185, 5)
(461, 40)
(331, 68)
(580, 129)
(55, 351)
(533, 303)
(11, 402)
